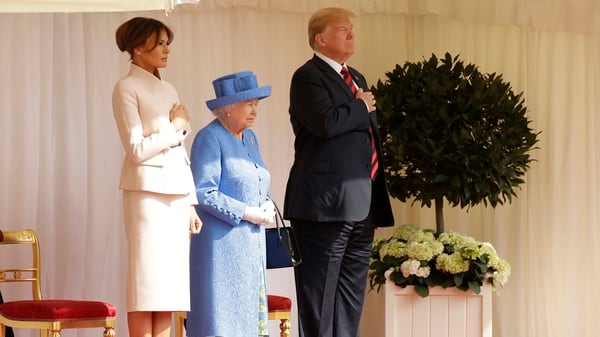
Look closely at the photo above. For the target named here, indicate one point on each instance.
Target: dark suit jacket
(330, 178)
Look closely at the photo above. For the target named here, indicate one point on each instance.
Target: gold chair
(50, 316)
(280, 308)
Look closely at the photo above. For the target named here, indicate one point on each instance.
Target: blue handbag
(282, 248)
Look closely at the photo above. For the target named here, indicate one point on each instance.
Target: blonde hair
(320, 19)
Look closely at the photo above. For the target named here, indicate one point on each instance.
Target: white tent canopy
(580, 16)
(67, 6)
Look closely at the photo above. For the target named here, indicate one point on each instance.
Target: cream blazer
(155, 158)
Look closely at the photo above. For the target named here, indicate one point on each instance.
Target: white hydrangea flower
(409, 267)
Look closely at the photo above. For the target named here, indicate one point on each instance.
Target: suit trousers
(331, 280)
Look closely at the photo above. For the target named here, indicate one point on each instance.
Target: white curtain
(60, 155)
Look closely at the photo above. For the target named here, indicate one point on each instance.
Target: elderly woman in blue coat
(227, 261)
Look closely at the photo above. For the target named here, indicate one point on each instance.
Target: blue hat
(237, 87)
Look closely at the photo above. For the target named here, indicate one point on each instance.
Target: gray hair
(223, 111)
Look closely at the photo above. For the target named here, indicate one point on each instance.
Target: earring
(228, 114)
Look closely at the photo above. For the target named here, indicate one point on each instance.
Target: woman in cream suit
(158, 188)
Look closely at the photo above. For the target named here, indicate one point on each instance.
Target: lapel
(356, 78)
(334, 77)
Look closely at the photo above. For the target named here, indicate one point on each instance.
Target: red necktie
(348, 79)
(374, 162)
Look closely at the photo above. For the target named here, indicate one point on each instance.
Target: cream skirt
(158, 239)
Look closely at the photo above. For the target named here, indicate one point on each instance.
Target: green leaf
(422, 291)
(475, 287)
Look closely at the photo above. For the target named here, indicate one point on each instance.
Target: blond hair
(320, 19)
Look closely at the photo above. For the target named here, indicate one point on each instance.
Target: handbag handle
(279, 222)
(278, 219)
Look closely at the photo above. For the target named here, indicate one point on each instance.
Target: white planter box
(444, 313)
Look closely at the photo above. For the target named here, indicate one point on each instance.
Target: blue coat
(227, 258)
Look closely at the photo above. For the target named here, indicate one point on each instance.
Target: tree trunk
(439, 215)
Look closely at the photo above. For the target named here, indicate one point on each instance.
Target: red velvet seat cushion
(56, 310)
(279, 303)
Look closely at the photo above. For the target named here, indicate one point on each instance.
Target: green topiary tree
(449, 131)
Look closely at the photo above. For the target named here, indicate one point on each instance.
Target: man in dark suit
(336, 193)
